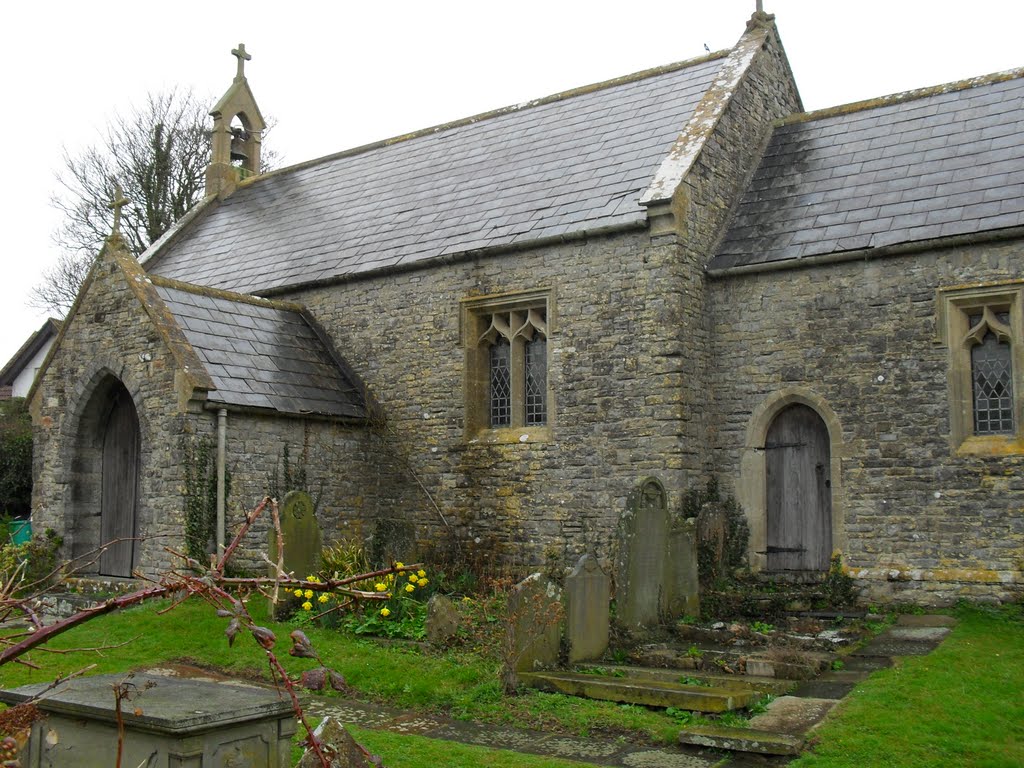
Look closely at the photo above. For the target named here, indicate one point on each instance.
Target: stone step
(649, 692)
(773, 685)
(741, 740)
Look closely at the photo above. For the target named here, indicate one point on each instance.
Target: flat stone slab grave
(168, 721)
(904, 641)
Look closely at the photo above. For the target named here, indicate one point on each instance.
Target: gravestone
(168, 721)
(643, 544)
(587, 594)
(683, 578)
(657, 563)
(302, 538)
(442, 622)
(535, 620)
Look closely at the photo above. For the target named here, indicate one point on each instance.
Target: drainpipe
(222, 437)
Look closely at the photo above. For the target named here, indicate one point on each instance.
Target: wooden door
(118, 485)
(799, 487)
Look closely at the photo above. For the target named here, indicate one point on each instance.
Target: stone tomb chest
(169, 723)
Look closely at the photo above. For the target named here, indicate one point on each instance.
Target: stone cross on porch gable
(242, 57)
(119, 202)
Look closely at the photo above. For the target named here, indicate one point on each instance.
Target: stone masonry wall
(107, 337)
(920, 523)
(614, 411)
(702, 203)
(111, 336)
(344, 466)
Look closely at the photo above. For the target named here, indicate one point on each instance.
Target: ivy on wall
(200, 464)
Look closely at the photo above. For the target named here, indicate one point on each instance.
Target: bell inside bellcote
(239, 138)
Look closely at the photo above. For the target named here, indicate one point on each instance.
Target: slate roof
(261, 355)
(568, 164)
(949, 162)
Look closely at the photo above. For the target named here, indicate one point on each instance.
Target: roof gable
(32, 346)
(572, 163)
(941, 162)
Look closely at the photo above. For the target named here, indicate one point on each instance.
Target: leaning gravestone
(643, 538)
(302, 538)
(587, 594)
(535, 619)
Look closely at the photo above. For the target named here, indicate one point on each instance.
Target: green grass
(959, 706)
(403, 751)
(464, 685)
(962, 705)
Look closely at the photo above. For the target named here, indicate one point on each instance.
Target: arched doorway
(119, 477)
(798, 488)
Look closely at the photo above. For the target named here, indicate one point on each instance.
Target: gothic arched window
(507, 362)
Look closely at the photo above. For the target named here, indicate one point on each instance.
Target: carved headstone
(587, 594)
(643, 549)
(302, 538)
(535, 619)
(442, 623)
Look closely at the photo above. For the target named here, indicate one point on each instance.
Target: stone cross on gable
(119, 202)
(242, 57)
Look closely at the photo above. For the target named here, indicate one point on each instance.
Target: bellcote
(237, 132)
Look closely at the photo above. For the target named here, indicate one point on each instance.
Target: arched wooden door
(799, 488)
(119, 483)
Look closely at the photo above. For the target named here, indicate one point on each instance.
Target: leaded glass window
(992, 379)
(500, 397)
(514, 346)
(536, 381)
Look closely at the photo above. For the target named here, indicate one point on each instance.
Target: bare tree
(158, 153)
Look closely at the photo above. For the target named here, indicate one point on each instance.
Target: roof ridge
(494, 113)
(901, 97)
(220, 293)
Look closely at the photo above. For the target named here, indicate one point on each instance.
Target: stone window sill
(992, 445)
(508, 435)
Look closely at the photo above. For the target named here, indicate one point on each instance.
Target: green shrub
(37, 559)
(15, 458)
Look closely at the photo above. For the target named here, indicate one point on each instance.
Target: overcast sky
(340, 74)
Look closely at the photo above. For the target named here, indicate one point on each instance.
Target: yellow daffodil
(423, 582)
(298, 593)
(399, 565)
(307, 606)
(380, 587)
(410, 587)
(412, 577)
(421, 573)
(308, 594)
(385, 612)
(323, 598)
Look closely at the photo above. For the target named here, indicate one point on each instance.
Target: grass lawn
(464, 685)
(962, 705)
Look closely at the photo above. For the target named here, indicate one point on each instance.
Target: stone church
(492, 331)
